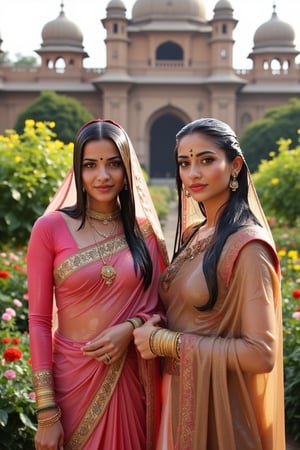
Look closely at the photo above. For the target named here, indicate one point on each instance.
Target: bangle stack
(43, 423)
(136, 322)
(44, 397)
(164, 342)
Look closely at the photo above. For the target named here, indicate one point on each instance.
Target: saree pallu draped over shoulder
(223, 395)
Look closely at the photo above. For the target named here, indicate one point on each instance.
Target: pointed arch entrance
(162, 145)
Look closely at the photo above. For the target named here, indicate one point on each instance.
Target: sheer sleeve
(40, 258)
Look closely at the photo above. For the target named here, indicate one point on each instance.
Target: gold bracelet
(136, 322)
(43, 423)
(151, 338)
(163, 342)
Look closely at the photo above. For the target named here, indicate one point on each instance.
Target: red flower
(16, 341)
(12, 354)
(6, 340)
(296, 293)
(4, 274)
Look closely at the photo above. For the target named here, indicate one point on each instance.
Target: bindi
(191, 152)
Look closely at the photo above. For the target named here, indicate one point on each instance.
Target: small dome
(116, 9)
(223, 10)
(274, 33)
(62, 32)
(168, 10)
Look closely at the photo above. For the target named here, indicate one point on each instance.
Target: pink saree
(112, 407)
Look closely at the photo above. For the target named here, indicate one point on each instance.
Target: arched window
(115, 28)
(169, 51)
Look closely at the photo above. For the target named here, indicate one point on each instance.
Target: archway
(162, 145)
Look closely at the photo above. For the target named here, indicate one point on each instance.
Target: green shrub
(161, 196)
(278, 183)
(32, 166)
(17, 399)
(288, 244)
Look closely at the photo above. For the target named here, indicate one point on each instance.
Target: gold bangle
(151, 339)
(43, 423)
(136, 322)
(164, 342)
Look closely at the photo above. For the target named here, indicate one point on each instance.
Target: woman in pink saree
(223, 366)
(93, 264)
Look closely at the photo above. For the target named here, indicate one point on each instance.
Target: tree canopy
(67, 113)
(261, 137)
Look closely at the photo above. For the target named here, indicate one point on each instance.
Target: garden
(29, 177)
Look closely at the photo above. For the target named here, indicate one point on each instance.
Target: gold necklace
(100, 233)
(105, 218)
(108, 272)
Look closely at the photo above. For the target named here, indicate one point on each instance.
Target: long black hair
(107, 129)
(235, 214)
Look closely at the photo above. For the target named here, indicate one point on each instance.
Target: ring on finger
(107, 358)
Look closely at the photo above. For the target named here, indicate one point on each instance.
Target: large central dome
(146, 10)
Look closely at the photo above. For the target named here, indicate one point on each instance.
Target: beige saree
(227, 391)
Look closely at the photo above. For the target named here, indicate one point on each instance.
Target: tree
(262, 136)
(67, 113)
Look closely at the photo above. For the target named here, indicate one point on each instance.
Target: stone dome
(274, 33)
(62, 32)
(147, 10)
(116, 9)
(223, 10)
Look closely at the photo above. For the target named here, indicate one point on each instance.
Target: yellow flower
(275, 180)
(18, 159)
(281, 253)
(293, 254)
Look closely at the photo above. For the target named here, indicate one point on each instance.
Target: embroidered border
(85, 257)
(97, 408)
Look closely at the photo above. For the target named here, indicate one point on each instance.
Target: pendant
(108, 274)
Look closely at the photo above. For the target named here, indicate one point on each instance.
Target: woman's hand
(111, 344)
(50, 438)
(142, 335)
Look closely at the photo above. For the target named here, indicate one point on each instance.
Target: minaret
(116, 40)
(222, 41)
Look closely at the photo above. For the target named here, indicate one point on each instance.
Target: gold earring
(234, 184)
(187, 193)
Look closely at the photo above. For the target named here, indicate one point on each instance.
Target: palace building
(166, 65)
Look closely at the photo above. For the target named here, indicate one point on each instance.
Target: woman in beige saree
(223, 369)
(102, 254)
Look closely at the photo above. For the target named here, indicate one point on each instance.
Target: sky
(22, 21)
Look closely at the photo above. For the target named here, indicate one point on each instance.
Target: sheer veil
(66, 194)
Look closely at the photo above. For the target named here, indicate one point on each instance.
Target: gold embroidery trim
(97, 408)
(90, 255)
(42, 378)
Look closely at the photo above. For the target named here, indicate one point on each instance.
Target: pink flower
(6, 316)
(296, 315)
(32, 396)
(25, 296)
(11, 312)
(17, 303)
(10, 374)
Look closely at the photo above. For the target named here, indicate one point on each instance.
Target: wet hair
(235, 214)
(96, 130)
